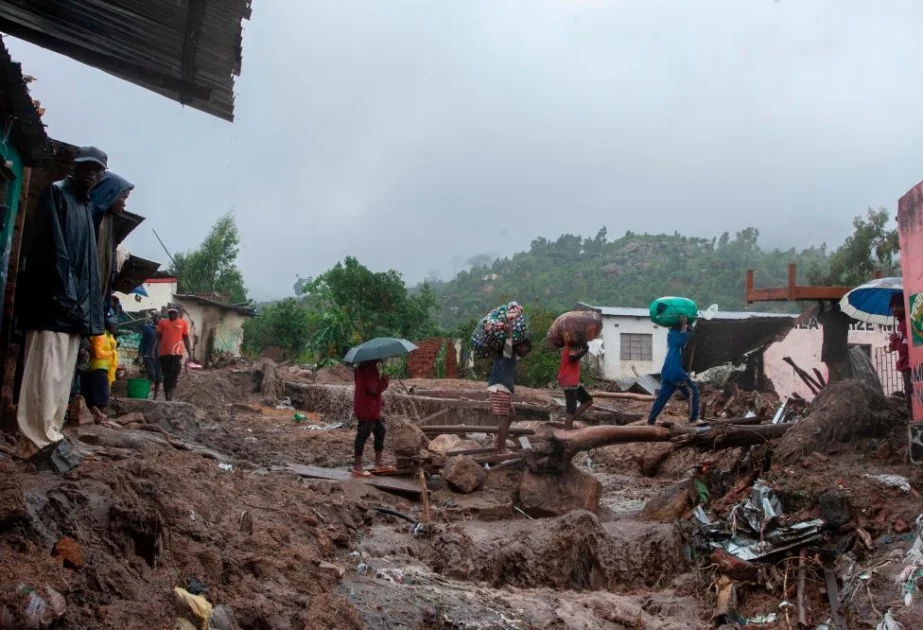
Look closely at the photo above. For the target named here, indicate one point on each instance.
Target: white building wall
(159, 295)
(613, 328)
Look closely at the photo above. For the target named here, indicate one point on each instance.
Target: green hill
(628, 271)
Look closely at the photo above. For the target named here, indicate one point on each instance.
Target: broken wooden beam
(623, 396)
(812, 385)
(793, 292)
(467, 428)
(802, 592)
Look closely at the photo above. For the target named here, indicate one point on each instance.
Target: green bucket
(139, 388)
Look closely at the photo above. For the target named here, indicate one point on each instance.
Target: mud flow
(228, 510)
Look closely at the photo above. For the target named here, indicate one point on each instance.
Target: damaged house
(633, 347)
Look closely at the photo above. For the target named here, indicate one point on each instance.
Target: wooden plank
(624, 396)
(433, 416)
(393, 484)
(462, 428)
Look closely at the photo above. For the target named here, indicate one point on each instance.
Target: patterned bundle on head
(490, 335)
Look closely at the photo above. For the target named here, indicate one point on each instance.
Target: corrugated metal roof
(627, 311)
(241, 309)
(186, 50)
(27, 132)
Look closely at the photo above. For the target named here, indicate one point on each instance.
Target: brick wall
(421, 363)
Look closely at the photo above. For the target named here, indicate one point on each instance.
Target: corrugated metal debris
(186, 50)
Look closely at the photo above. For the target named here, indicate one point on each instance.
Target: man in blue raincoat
(673, 377)
(109, 198)
(60, 302)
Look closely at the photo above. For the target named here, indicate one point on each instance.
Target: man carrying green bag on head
(675, 312)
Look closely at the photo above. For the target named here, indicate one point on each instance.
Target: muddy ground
(146, 514)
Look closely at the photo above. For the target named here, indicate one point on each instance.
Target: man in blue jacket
(61, 302)
(673, 377)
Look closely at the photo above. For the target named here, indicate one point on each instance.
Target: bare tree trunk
(552, 454)
(269, 383)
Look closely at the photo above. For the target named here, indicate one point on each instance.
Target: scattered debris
(894, 481)
(69, 551)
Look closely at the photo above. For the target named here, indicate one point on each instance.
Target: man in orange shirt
(172, 337)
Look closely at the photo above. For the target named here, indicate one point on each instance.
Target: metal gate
(891, 380)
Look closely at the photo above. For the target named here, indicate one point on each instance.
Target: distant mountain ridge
(629, 271)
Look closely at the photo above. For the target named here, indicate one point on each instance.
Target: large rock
(442, 444)
(337, 374)
(835, 509)
(672, 505)
(404, 438)
(555, 495)
(464, 474)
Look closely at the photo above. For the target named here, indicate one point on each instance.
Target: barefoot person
(370, 384)
(569, 381)
(502, 384)
(104, 361)
(673, 377)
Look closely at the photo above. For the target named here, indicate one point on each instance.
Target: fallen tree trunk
(624, 396)
(464, 428)
(552, 454)
(728, 436)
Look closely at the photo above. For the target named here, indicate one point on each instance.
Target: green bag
(666, 311)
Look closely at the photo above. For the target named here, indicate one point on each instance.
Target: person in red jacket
(367, 406)
(899, 344)
(569, 381)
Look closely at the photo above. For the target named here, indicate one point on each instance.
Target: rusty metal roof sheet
(240, 309)
(186, 50)
(27, 131)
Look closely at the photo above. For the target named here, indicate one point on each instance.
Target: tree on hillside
(630, 270)
(355, 304)
(872, 246)
(212, 267)
(284, 325)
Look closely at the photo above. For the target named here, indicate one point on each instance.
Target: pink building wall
(910, 231)
(803, 345)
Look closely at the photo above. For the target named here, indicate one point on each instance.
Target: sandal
(360, 473)
(384, 469)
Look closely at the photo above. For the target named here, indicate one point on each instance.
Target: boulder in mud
(337, 374)
(404, 438)
(672, 505)
(464, 474)
(555, 495)
(835, 509)
(442, 444)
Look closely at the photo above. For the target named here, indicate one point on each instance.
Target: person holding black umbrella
(370, 384)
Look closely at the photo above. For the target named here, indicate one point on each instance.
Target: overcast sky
(416, 134)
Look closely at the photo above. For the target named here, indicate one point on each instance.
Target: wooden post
(792, 276)
(749, 286)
